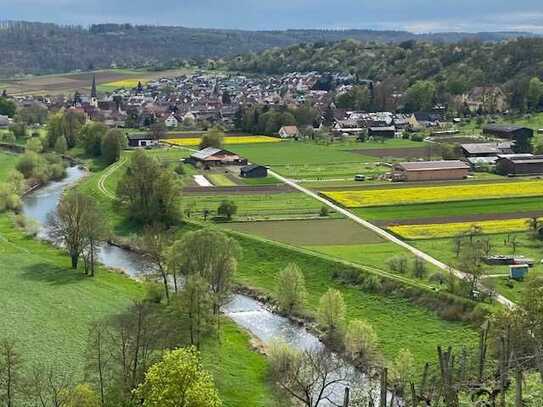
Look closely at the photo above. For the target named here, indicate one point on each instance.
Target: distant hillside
(40, 48)
(458, 66)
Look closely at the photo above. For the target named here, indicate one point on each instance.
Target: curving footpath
(384, 234)
(106, 175)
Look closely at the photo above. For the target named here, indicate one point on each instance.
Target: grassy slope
(398, 323)
(241, 374)
(46, 306)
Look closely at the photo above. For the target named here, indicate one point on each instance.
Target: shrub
(419, 268)
(324, 211)
(398, 264)
(361, 342)
(227, 209)
(417, 137)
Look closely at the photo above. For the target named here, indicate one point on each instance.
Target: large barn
(430, 171)
(212, 157)
(521, 136)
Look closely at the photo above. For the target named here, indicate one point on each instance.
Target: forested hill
(40, 48)
(460, 66)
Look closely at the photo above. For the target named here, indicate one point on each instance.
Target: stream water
(248, 313)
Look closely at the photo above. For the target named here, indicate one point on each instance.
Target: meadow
(431, 231)
(258, 205)
(308, 232)
(7, 164)
(444, 250)
(482, 208)
(413, 195)
(398, 322)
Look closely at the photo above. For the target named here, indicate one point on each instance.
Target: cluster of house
(498, 155)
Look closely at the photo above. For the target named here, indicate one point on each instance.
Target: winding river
(248, 313)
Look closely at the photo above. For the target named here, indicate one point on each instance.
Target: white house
(171, 121)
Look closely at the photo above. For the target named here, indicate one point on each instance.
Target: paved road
(383, 233)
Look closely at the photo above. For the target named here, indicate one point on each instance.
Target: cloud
(413, 15)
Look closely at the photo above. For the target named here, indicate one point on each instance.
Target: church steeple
(94, 94)
(93, 88)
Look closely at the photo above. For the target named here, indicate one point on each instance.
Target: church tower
(94, 95)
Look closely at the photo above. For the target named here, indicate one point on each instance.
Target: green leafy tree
(19, 130)
(403, 370)
(214, 255)
(213, 138)
(291, 292)
(178, 380)
(331, 313)
(357, 98)
(7, 107)
(227, 209)
(112, 144)
(72, 122)
(420, 96)
(81, 395)
(361, 343)
(535, 93)
(34, 144)
(60, 145)
(90, 137)
(54, 129)
(150, 192)
(33, 114)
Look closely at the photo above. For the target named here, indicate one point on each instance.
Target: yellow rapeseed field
(194, 141)
(465, 192)
(123, 84)
(432, 231)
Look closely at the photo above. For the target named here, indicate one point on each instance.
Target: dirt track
(240, 189)
(408, 152)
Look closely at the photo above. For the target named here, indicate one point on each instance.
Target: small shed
(384, 132)
(520, 164)
(253, 171)
(141, 140)
(518, 271)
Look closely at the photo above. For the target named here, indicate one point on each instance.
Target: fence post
(346, 398)
(384, 383)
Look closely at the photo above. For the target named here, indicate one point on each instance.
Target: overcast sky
(411, 15)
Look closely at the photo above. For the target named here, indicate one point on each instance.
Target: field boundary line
(386, 235)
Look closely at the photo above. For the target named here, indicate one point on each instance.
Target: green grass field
(220, 180)
(46, 306)
(258, 206)
(446, 209)
(443, 249)
(240, 373)
(298, 153)
(7, 164)
(308, 232)
(399, 323)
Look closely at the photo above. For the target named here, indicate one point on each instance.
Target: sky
(412, 15)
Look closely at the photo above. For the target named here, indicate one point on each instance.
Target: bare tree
(10, 364)
(308, 376)
(99, 358)
(76, 223)
(155, 242)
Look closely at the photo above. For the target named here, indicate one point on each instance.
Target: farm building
(211, 156)
(141, 140)
(521, 136)
(289, 132)
(384, 132)
(254, 171)
(519, 164)
(430, 171)
(486, 149)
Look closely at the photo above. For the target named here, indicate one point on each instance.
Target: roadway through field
(384, 234)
